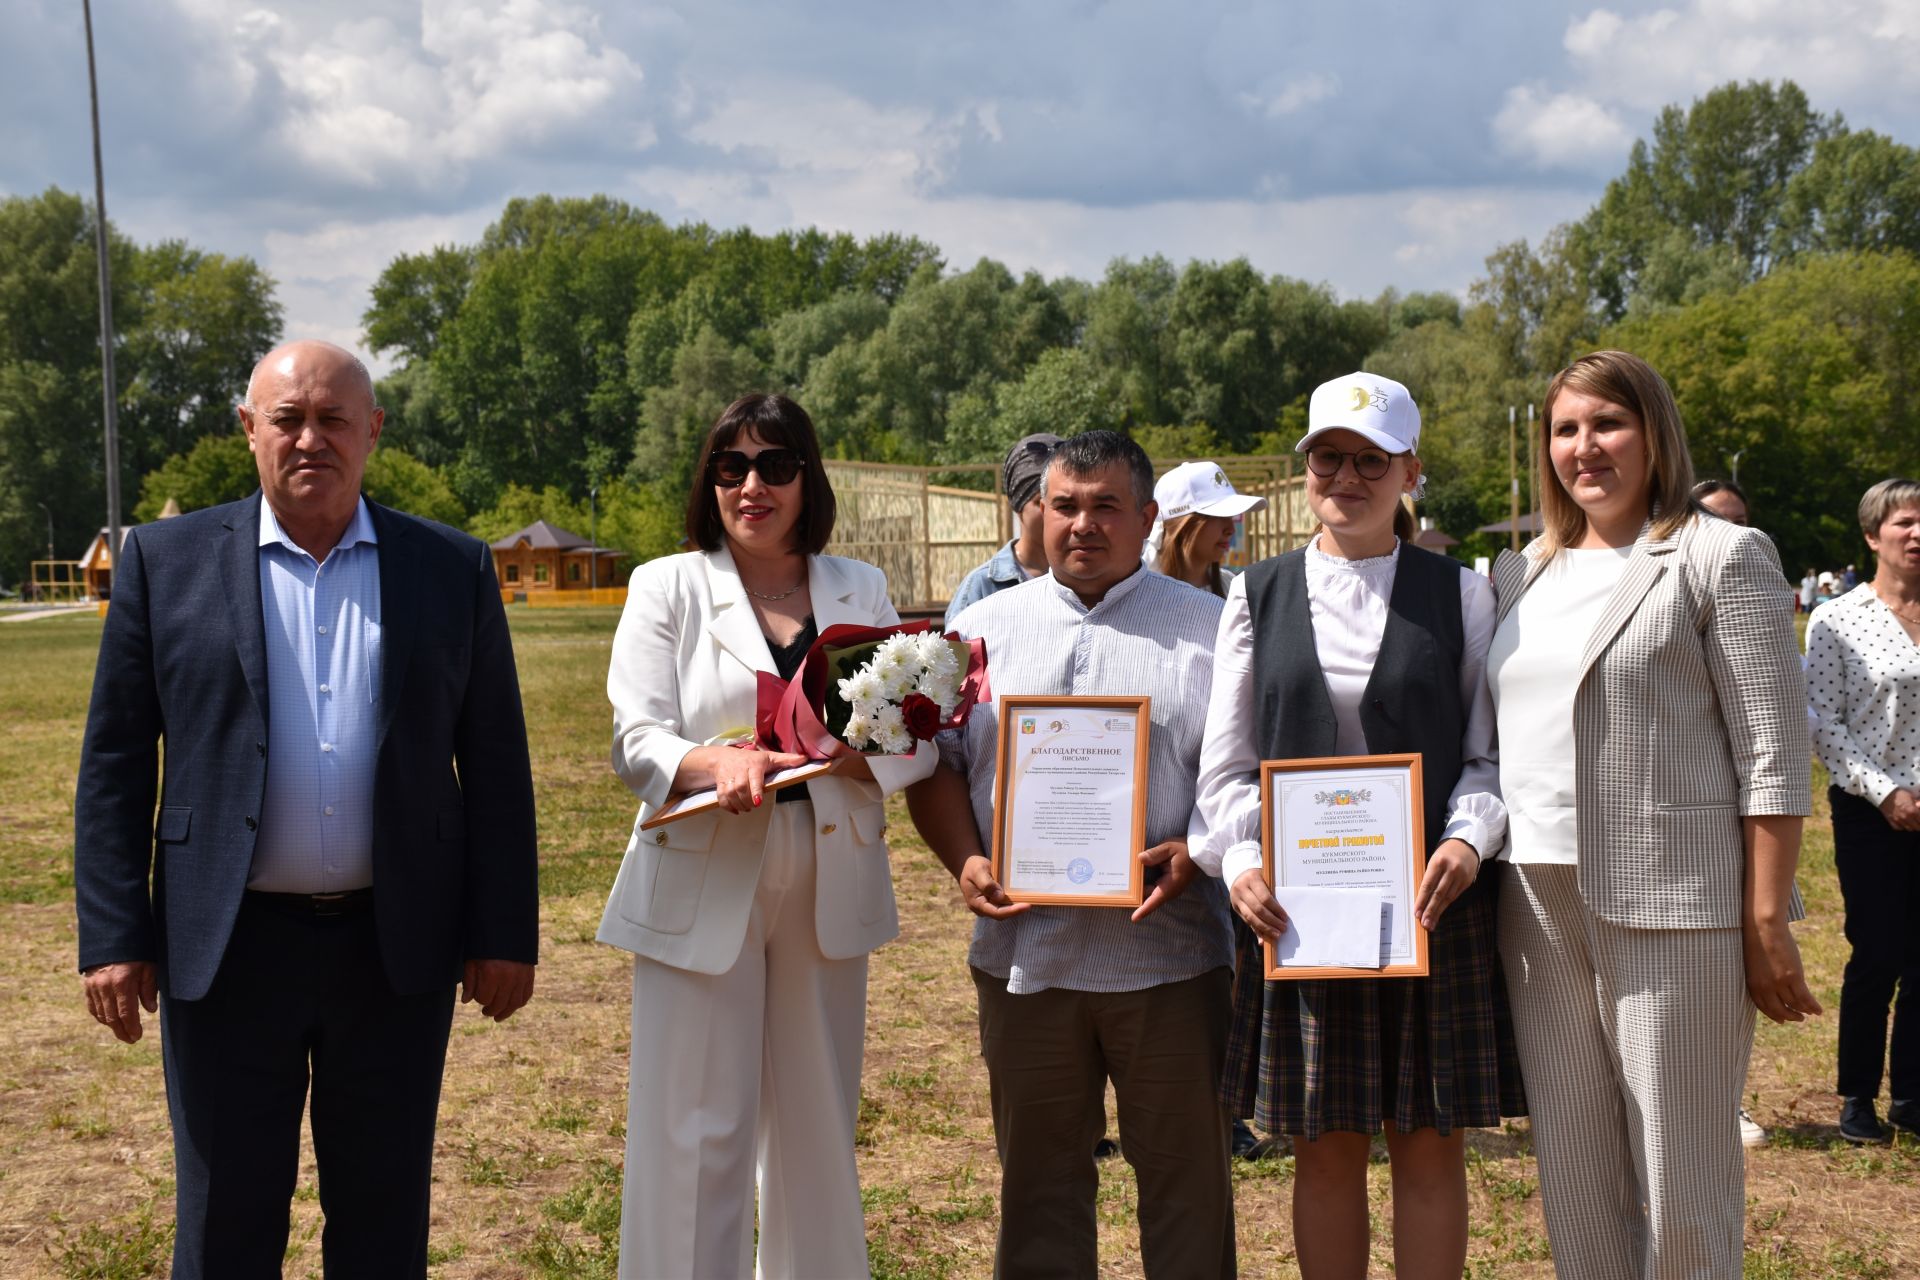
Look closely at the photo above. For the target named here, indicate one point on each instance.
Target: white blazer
(684, 673)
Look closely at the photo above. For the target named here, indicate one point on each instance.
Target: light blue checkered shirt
(323, 686)
(1149, 634)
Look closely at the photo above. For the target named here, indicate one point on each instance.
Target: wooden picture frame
(1043, 865)
(1334, 777)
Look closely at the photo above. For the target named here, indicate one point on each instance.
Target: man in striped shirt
(1073, 996)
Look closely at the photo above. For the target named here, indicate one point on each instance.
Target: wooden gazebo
(544, 557)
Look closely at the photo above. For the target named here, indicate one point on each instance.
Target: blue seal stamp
(1079, 871)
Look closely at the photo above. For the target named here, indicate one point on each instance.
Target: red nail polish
(756, 802)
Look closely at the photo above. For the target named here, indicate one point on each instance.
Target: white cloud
(1864, 54)
(378, 101)
(1291, 95)
(1561, 131)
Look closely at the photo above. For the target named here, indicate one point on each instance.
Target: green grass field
(531, 1127)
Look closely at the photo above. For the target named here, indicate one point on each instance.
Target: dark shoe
(1904, 1115)
(1105, 1148)
(1858, 1123)
(1243, 1140)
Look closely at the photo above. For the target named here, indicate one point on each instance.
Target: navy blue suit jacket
(183, 659)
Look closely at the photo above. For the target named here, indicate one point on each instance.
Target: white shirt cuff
(1238, 859)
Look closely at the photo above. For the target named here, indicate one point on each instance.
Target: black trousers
(301, 998)
(1880, 884)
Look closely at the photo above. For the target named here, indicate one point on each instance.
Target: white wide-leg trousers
(752, 1071)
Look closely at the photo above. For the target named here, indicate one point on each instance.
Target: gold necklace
(782, 595)
(1892, 608)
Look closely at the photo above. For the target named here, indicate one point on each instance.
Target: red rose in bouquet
(872, 691)
(921, 714)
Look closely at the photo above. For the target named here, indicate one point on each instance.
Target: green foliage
(1808, 374)
(217, 469)
(640, 521)
(1716, 177)
(397, 479)
(189, 326)
(709, 373)
(582, 1240)
(131, 1249)
(1196, 440)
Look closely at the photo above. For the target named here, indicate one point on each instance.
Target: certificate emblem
(1079, 871)
(1028, 724)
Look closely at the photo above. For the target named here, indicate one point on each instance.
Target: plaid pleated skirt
(1346, 1054)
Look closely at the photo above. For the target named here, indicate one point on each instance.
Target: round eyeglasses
(1369, 464)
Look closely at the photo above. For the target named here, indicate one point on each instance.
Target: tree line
(1761, 254)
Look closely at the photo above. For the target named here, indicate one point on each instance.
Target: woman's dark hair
(779, 423)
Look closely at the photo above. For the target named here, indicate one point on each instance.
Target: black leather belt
(347, 902)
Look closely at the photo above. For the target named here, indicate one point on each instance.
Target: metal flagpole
(107, 385)
(1513, 482)
(1533, 470)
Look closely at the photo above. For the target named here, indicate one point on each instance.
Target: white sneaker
(1751, 1134)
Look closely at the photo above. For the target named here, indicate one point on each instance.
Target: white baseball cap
(1369, 405)
(1201, 488)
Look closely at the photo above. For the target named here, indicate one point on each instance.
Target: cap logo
(1363, 398)
(1219, 477)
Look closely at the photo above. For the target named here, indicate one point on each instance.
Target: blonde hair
(1630, 382)
(1180, 553)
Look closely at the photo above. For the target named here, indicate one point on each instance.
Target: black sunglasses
(1369, 464)
(728, 467)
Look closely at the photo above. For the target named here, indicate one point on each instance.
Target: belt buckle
(330, 904)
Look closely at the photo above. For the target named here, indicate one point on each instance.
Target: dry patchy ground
(531, 1122)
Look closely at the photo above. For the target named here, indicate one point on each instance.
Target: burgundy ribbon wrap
(790, 715)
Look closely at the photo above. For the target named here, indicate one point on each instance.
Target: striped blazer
(1690, 713)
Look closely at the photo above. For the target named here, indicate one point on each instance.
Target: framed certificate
(1343, 840)
(1070, 800)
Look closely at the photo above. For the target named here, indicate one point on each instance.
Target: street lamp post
(107, 394)
(1735, 462)
(49, 510)
(593, 535)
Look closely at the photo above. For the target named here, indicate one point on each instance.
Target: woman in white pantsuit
(1652, 713)
(750, 925)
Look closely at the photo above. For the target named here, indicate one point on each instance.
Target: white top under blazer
(1532, 670)
(684, 673)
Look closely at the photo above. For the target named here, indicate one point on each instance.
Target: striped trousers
(1634, 1043)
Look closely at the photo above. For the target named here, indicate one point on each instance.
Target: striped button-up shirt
(1149, 634)
(323, 690)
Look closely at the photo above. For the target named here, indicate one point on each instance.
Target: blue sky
(1363, 144)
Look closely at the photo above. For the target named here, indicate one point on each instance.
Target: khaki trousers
(1049, 1056)
(1634, 1043)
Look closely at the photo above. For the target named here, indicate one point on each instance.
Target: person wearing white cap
(1198, 512)
(1361, 643)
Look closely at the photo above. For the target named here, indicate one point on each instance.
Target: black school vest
(1412, 699)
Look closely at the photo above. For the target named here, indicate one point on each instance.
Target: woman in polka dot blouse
(1863, 676)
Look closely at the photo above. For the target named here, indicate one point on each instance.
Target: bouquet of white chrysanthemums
(872, 689)
(904, 692)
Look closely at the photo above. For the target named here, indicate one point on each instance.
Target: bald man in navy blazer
(345, 831)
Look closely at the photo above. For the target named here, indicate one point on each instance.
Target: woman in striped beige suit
(1652, 713)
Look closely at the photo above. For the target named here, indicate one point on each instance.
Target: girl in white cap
(1198, 511)
(1311, 661)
